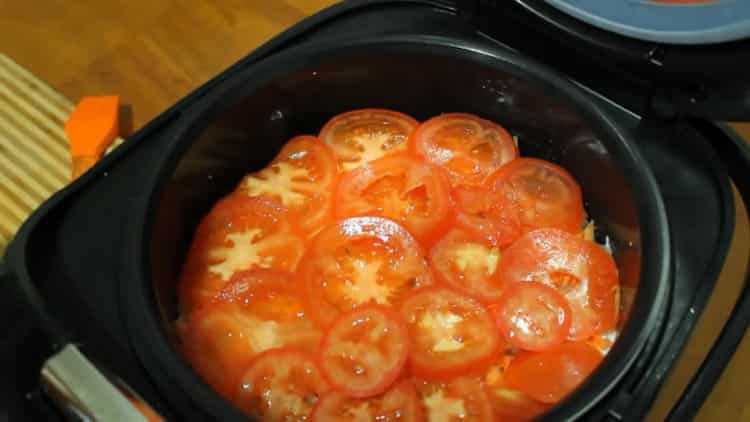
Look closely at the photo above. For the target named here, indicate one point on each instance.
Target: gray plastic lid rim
(704, 23)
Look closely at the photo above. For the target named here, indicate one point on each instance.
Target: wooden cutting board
(34, 158)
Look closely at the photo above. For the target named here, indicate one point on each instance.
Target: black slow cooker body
(98, 263)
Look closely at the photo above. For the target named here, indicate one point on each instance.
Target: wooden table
(153, 52)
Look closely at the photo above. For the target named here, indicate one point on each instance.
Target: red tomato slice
(533, 316)
(281, 385)
(486, 214)
(467, 263)
(451, 334)
(358, 261)
(399, 404)
(507, 403)
(301, 178)
(238, 234)
(544, 194)
(583, 272)
(257, 311)
(360, 136)
(551, 375)
(365, 350)
(458, 400)
(401, 188)
(468, 147)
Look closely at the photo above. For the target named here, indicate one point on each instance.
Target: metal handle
(735, 153)
(84, 393)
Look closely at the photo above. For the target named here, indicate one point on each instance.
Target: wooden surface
(153, 52)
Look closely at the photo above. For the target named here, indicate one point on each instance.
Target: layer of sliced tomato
(281, 385)
(533, 316)
(458, 400)
(582, 271)
(301, 178)
(468, 147)
(452, 334)
(258, 310)
(468, 263)
(240, 233)
(507, 403)
(486, 214)
(399, 404)
(365, 350)
(361, 136)
(399, 187)
(544, 194)
(551, 375)
(358, 261)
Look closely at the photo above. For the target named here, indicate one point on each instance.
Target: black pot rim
(160, 357)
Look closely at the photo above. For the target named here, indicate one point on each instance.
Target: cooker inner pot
(252, 122)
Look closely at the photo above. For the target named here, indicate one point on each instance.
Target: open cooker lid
(647, 74)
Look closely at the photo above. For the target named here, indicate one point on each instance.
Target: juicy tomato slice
(467, 263)
(507, 403)
(399, 404)
(281, 385)
(533, 316)
(452, 334)
(361, 260)
(240, 233)
(544, 194)
(365, 350)
(258, 310)
(582, 271)
(457, 400)
(360, 136)
(468, 147)
(399, 187)
(551, 375)
(300, 178)
(486, 214)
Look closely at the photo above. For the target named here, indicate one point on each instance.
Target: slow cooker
(91, 275)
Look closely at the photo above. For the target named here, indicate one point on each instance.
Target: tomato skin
(360, 136)
(400, 187)
(583, 272)
(533, 316)
(452, 334)
(301, 178)
(509, 404)
(543, 193)
(370, 332)
(281, 384)
(399, 404)
(469, 148)
(468, 264)
(361, 260)
(460, 399)
(486, 214)
(563, 368)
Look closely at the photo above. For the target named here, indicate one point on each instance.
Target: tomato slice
(551, 375)
(401, 188)
(360, 136)
(281, 385)
(361, 260)
(507, 403)
(533, 316)
(468, 147)
(399, 404)
(240, 233)
(486, 214)
(583, 272)
(300, 178)
(365, 350)
(458, 400)
(451, 334)
(467, 263)
(544, 194)
(258, 310)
